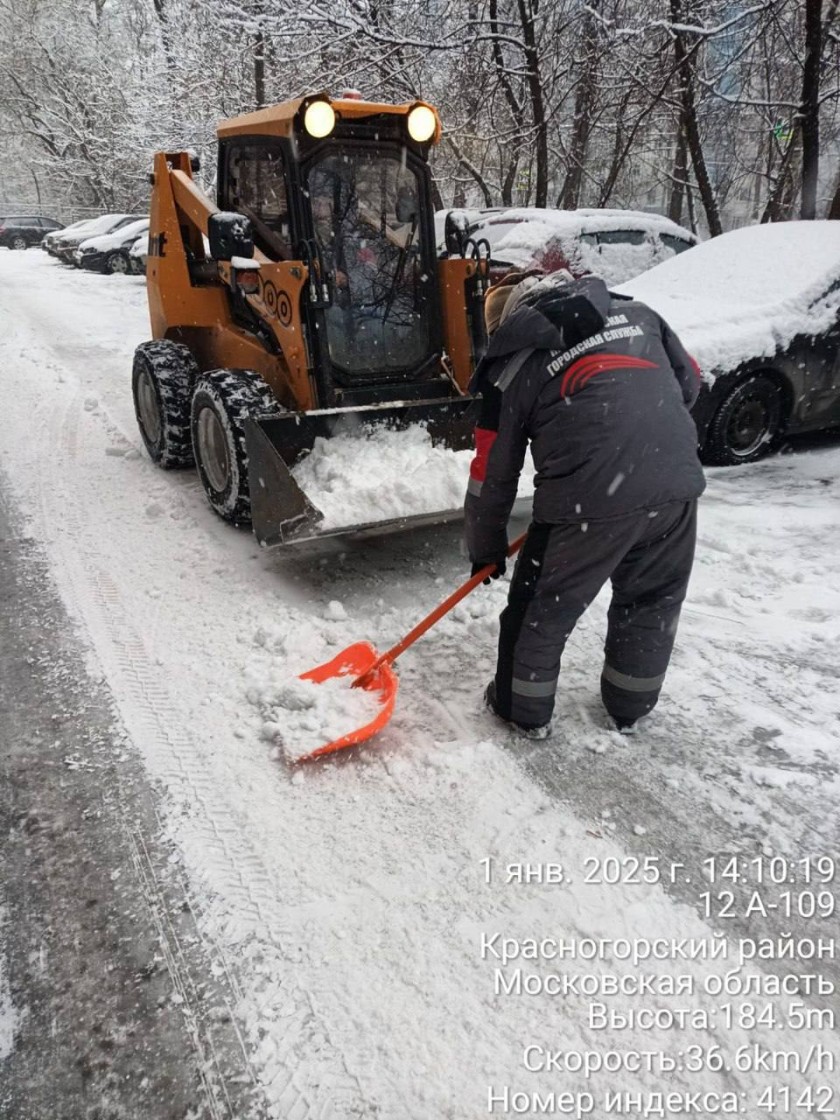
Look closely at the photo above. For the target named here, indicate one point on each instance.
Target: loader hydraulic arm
(194, 305)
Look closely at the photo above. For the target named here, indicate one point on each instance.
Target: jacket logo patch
(614, 334)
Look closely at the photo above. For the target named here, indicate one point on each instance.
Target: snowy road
(348, 902)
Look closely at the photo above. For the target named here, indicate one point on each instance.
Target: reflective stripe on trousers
(631, 684)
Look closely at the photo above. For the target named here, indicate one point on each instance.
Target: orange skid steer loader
(311, 300)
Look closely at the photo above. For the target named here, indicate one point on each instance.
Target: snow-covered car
(67, 243)
(614, 244)
(759, 310)
(109, 252)
(50, 242)
(470, 216)
(138, 254)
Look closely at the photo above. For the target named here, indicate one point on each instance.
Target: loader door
(371, 219)
(257, 185)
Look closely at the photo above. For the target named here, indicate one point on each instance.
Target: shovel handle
(437, 614)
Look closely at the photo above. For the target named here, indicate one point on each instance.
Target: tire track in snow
(179, 971)
(238, 870)
(307, 1079)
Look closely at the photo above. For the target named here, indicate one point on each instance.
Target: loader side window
(257, 188)
(366, 217)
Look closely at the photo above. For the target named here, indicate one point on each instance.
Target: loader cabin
(341, 187)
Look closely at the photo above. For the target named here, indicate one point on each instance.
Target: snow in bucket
(377, 474)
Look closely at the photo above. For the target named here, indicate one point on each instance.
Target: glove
(500, 569)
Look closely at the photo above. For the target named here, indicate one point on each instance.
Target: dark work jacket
(601, 388)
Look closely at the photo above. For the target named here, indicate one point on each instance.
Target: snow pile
(378, 474)
(300, 716)
(746, 294)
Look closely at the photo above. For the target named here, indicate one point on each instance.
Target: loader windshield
(366, 214)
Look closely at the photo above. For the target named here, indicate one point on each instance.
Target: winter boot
(529, 730)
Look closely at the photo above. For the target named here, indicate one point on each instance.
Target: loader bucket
(280, 511)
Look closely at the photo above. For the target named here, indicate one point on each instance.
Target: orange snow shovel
(374, 671)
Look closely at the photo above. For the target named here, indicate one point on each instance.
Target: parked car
(615, 244)
(138, 254)
(21, 232)
(66, 244)
(50, 241)
(759, 309)
(470, 216)
(109, 252)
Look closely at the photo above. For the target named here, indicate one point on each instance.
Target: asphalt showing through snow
(118, 1016)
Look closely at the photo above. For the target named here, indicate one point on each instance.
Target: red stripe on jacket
(484, 440)
(579, 372)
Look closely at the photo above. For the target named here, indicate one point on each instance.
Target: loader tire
(162, 379)
(223, 400)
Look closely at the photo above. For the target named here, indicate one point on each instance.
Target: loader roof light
(319, 119)
(422, 123)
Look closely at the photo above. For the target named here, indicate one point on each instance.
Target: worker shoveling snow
(301, 715)
(373, 475)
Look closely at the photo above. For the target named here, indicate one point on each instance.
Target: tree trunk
(811, 108)
(471, 169)
(259, 67)
(37, 187)
(692, 216)
(692, 125)
(619, 154)
(680, 175)
(834, 208)
(513, 104)
(783, 195)
(584, 100)
(535, 91)
(509, 181)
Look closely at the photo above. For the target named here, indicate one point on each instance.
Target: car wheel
(746, 424)
(18, 242)
(223, 400)
(161, 380)
(117, 264)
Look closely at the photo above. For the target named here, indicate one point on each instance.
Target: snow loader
(308, 301)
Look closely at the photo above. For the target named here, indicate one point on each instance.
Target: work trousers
(648, 556)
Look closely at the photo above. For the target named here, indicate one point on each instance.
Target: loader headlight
(422, 123)
(319, 119)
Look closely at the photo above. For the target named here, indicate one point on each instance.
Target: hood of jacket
(555, 317)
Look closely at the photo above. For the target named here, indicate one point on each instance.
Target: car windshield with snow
(613, 244)
(759, 309)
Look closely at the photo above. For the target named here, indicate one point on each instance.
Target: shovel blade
(354, 662)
